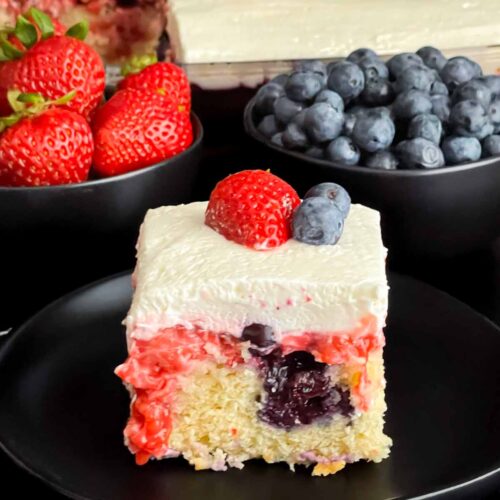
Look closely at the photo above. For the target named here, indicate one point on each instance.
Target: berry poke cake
(256, 329)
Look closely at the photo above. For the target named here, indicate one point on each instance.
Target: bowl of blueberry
(416, 137)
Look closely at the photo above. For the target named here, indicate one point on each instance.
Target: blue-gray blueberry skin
(268, 126)
(347, 79)
(411, 103)
(362, 53)
(285, 109)
(374, 132)
(383, 160)
(316, 152)
(303, 86)
(343, 150)
(491, 146)
(377, 92)
(475, 90)
(373, 68)
(265, 97)
(317, 221)
(461, 149)
(441, 107)
(470, 119)
(432, 57)
(280, 80)
(494, 115)
(323, 123)
(349, 122)
(459, 70)
(420, 154)
(300, 118)
(277, 139)
(427, 126)
(439, 88)
(401, 62)
(415, 78)
(333, 192)
(493, 83)
(332, 98)
(294, 137)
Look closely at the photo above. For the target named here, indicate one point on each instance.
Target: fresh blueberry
(411, 103)
(441, 107)
(461, 149)
(384, 160)
(459, 70)
(300, 118)
(415, 78)
(333, 192)
(432, 57)
(280, 79)
(317, 221)
(332, 98)
(313, 66)
(494, 114)
(438, 88)
(470, 119)
(259, 335)
(323, 123)
(347, 79)
(349, 122)
(475, 90)
(343, 150)
(294, 137)
(269, 126)
(493, 83)
(419, 153)
(373, 132)
(363, 53)
(427, 126)
(285, 109)
(373, 68)
(316, 152)
(303, 86)
(277, 139)
(377, 92)
(265, 97)
(491, 145)
(400, 62)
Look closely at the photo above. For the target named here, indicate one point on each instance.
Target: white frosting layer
(188, 274)
(208, 31)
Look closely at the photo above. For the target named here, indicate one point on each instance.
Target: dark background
(474, 279)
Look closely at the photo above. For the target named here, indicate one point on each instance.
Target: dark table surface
(474, 279)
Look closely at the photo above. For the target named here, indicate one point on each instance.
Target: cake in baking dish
(256, 330)
(118, 28)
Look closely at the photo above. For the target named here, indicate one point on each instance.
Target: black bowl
(55, 238)
(426, 214)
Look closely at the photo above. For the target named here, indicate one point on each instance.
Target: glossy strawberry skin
(54, 67)
(164, 76)
(52, 148)
(253, 208)
(136, 129)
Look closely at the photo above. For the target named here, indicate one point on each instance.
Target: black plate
(63, 409)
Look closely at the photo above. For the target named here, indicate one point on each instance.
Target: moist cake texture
(237, 354)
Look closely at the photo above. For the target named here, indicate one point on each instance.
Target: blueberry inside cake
(256, 329)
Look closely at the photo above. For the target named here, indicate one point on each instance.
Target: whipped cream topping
(209, 31)
(187, 274)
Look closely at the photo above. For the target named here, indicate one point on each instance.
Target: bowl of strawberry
(78, 173)
(416, 137)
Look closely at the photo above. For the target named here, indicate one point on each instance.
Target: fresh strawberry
(49, 148)
(253, 208)
(135, 129)
(54, 65)
(143, 73)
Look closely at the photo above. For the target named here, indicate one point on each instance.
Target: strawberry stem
(79, 30)
(8, 50)
(43, 21)
(25, 32)
(137, 63)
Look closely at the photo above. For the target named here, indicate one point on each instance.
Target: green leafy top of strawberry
(25, 104)
(31, 27)
(137, 63)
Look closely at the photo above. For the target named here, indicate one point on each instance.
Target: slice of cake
(245, 342)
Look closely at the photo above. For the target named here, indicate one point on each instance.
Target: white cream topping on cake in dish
(209, 31)
(189, 275)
